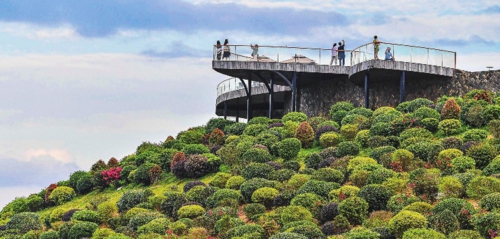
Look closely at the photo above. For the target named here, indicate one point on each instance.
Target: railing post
(271, 96)
(294, 89)
(427, 56)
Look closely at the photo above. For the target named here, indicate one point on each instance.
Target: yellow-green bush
(329, 139)
(406, 220)
(62, 194)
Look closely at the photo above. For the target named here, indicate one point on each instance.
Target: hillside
(424, 169)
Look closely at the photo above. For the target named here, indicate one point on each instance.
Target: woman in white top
(334, 54)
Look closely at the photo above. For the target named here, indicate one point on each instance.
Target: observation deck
(285, 70)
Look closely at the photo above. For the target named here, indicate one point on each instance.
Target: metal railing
(282, 54)
(405, 53)
(322, 56)
(233, 84)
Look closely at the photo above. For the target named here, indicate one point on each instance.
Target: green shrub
(82, 229)
(307, 230)
(464, 234)
(297, 180)
(415, 132)
(256, 231)
(178, 227)
(490, 201)
(420, 207)
(451, 142)
(445, 222)
(62, 194)
(430, 124)
(298, 117)
(491, 112)
(289, 129)
(474, 115)
(254, 129)
(56, 215)
(494, 128)
(360, 160)
(225, 223)
(223, 194)
(106, 210)
(158, 225)
(312, 160)
(220, 179)
(288, 235)
(342, 105)
(316, 121)
(329, 139)
(265, 196)
(486, 222)
(376, 196)
(235, 129)
(361, 233)
(404, 157)
(450, 187)
(382, 129)
(190, 149)
(249, 186)
(256, 155)
(267, 139)
(450, 126)
(102, 233)
(86, 216)
(378, 176)
(462, 164)
(483, 154)
(349, 131)
(347, 148)
(143, 218)
(481, 186)
(425, 183)
(425, 112)
(355, 209)
(259, 120)
(362, 137)
(399, 201)
(24, 222)
(462, 210)
(190, 211)
(475, 135)
(235, 182)
(320, 188)
(356, 119)
(253, 209)
(423, 233)
(289, 148)
(310, 201)
(406, 220)
(141, 175)
(50, 235)
(305, 134)
(328, 175)
(257, 170)
(131, 198)
(295, 213)
(191, 136)
(376, 153)
(217, 123)
(282, 175)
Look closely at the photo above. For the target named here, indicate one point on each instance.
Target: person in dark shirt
(341, 53)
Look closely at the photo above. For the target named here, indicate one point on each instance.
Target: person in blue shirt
(388, 55)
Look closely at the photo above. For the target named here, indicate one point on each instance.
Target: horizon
(93, 80)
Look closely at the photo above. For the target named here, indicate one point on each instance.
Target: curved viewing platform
(297, 67)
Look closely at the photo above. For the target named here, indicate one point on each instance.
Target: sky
(87, 80)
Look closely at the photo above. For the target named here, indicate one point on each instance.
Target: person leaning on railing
(219, 50)
(334, 54)
(226, 50)
(341, 53)
(376, 44)
(388, 55)
(255, 51)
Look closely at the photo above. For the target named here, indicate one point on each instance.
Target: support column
(237, 110)
(249, 98)
(294, 89)
(367, 91)
(402, 85)
(225, 109)
(271, 97)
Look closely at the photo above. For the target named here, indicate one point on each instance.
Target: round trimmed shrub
(491, 112)
(450, 126)
(451, 109)
(191, 149)
(265, 196)
(381, 129)
(451, 143)
(464, 234)
(420, 207)
(360, 160)
(254, 129)
(378, 176)
(49, 235)
(86, 216)
(24, 222)
(308, 230)
(341, 105)
(295, 213)
(106, 210)
(220, 179)
(223, 194)
(462, 164)
(475, 135)
(425, 112)
(288, 235)
(494, 128)
(362, 137)
(189, 185)
(253, 209)
(376, 196)
(62, 194)
(297, 180)
(483, 154)
(406, 220)
(257, 170)
(355, 209)
(82, 229)
(329, 211)
(450, 187)
(235, 182)
(235, 128)
(131, 198)
(415, 132)
(289, 148)
(143, 218)
(102, 233)
(445, 222)
(320, 188)
(329, 139)
(310, 201)
(305, 134)
(345, 191)
(361, 233)
(430, 124)
(347, 148)
(485, 223)
(312, 160)
(141, 175)
(349, 131)
(316, 121)
(379, 151)
(259, 120)
(482, 186)
(493, 167)
(256, 155)
(256, 231)
(423, 233)
(249, 186)
(462, 210)
(295, 117)
(328, 175)
(190, 211)
(196, 166)
(399, 201)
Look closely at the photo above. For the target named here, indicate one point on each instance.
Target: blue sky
(87, 80)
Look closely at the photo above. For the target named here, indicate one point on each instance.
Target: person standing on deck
(341, 53)
(376, 44)
(334, 54)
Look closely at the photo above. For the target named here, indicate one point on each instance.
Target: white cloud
(60, 155)
(38, 32)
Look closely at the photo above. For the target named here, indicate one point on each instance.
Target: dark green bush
(189, 185)
(253, 209)
(284, 198)
(82, 230)
(324, 129)
(256, 155)
(24, 222)
(223, 194)
(257, 170)
(376, 196)
(74, 177)
(143, 218)
(376, 153)
(482, 186)
(267, 139)
(190, 211)
(462, 210)
(341, 105)
(483, 223)
(235, 129)
(355, 209)
(191, 149)
(430, 124)
(308, 230)
(462, 164)
(492, 168)
(347, 148)
(490, 201)
(131, 198)
(451, 142)
(320, 188)
(464, 234)
(381, 129)
(245, 230)
(415, 132)
(84, 184)
(50, 235)
(483, 154)
(289, 148)
(141, 175)
(491, 112)
(378, 176)
(399, 201)
(494, 128)
(312, 160)
(445, 222)
(425, 183)
(295, 213)
(281, 175)
(249, 186)
(425, 112)
(288, 235)
(254, 129)
(475, 135)
(362, 138)
(86, 215)
(328, 175)
(310, 201)
(295, 117)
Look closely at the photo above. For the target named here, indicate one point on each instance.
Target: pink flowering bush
(111, 175)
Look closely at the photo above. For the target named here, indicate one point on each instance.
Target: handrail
(232, 84)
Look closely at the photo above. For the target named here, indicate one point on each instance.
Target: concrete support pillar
(271, 97)
(237, 110)
(402, 85)
(294, 90)
(225, 109)
(367, 91)
(249, 98)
